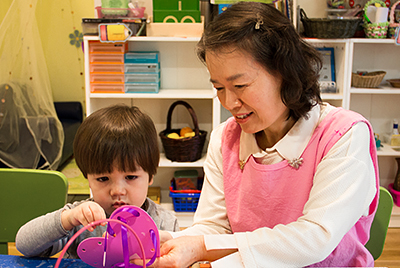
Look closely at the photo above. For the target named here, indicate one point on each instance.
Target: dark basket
(186, 149)
(329, 28)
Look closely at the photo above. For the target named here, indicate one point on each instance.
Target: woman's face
(248, 91)
(118, 188)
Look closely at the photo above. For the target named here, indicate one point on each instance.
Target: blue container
(131, 87)
(142, 68)
(185, 202)
(141, 57)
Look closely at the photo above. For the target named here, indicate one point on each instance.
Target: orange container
(107, 88)
(106, 68)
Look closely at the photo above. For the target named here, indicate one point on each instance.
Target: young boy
(117, 151)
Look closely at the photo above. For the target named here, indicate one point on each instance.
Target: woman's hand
(182, 251)
(164, 236)
(83, 214)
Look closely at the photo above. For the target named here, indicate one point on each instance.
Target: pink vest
(279, 191)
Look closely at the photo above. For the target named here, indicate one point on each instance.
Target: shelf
(162, 94)
(150, 38)
(381, 90)
(386, 150)
(372, 41)
(329, 41)
(185, 219)
(164, 162)
(331, 96)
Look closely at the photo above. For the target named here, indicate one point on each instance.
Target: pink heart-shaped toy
(120, 245)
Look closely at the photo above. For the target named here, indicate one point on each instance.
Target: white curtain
(29, 127)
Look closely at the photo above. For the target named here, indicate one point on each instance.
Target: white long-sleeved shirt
(343, 188)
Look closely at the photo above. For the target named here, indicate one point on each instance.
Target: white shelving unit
(183, 77)
(379, 105)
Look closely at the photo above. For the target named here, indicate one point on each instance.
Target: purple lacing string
(124, 239)
(95, 223)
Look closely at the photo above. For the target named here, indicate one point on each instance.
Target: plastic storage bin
(185, 200)
(103, 12)
(142, 77)
(142, 68)
(186, 179)
(106, 58)
(106, 77)
(107, 88)
(142, 87)
(141, 57)
(106, 68)
(111, 7)
(106, 47)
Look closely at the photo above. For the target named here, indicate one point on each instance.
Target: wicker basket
(394, 82)
(368, 80)
(374, 30)
(329, 28)
(392, 24)
(186, 149)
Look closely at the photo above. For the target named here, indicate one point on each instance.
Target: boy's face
(118, 188)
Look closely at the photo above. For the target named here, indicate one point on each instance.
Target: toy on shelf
(131, 234)
(176, 11)
(375, 19)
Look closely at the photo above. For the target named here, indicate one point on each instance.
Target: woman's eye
(131, 177)
(102, 179)
(240, 86)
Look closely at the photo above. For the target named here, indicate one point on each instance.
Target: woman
(290, 181)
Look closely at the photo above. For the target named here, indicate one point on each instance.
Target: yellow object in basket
(189, 134)
(173, 136)
(185, 130)
(395, 140)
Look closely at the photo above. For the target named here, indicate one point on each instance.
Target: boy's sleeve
(41, 236)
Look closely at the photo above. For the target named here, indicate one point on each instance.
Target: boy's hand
(83, 214)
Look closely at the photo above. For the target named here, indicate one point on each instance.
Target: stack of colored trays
(106, 67)
(142, 72)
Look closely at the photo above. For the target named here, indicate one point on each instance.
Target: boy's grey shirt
(45, 236)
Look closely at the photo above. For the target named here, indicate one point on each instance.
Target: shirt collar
(291, 146)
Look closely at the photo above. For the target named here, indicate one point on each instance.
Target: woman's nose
(230, 101)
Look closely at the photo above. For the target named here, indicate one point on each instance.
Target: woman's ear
(151, 180)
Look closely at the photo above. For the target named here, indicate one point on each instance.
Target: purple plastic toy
(120, 245)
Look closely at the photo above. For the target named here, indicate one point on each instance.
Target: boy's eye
(131, 177)
(102, 179)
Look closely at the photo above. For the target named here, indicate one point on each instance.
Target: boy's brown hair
(117, 136)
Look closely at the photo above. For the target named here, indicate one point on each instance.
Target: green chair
(26, 194)
(380, 223)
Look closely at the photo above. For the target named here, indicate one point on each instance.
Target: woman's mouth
(243, 116)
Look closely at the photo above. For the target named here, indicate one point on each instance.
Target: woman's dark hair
(119, 137)
(270, 38)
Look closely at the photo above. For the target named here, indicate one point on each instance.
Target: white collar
(292, 145)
